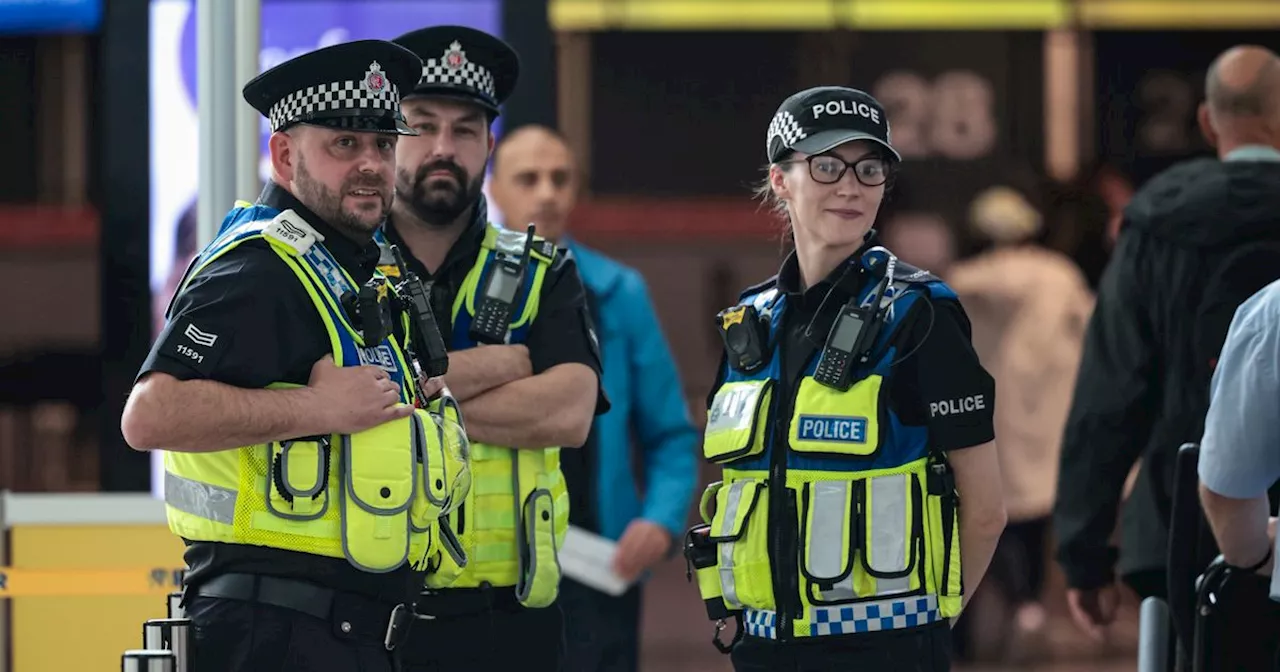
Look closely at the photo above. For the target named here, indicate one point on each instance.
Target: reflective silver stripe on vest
(206, 501)
(830, 511)
(733, 500)
(887, 536)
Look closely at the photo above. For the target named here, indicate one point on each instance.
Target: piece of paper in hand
(588, 559)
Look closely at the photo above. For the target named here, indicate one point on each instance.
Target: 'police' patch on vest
(381, 357)
(844, 429)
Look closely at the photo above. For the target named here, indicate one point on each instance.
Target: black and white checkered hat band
(435, 71)
(785, 126)
(349, 95)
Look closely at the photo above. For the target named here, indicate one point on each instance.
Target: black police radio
(433, 360)
(853, 333)
(493, 317)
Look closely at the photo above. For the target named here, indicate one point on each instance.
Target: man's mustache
(452, 168)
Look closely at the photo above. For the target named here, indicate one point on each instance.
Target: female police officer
(851, 417)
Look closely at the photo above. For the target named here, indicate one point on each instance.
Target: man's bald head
(1243, 82)
(534, 180)
(1242, 98)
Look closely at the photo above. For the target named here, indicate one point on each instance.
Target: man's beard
(327, 204)
(440, 202)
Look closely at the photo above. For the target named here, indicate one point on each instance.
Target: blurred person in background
(535, 180)
(1028, 306)
(1162, 313)
(523, 362)
(923, 239)
(850, 415)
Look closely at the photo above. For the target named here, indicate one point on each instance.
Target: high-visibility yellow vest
(373, 497)
(870, 510)
(516, 514)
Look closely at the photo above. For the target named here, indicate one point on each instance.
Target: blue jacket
(648, 400)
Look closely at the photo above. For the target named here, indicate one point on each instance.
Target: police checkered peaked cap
(354, 86)
(464, 64)
(818, 119)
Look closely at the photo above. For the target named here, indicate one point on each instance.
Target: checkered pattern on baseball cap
(354, 86)
(818, 119)
(463, 63)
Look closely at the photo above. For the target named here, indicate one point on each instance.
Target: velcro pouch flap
(380, 472)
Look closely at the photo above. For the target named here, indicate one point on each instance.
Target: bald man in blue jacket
(535, 181)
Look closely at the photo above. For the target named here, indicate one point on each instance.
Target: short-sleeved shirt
(1240, 450)
(561, 333)
(267, 331)
(937, 366)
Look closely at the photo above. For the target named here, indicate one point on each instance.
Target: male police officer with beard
(524, 364)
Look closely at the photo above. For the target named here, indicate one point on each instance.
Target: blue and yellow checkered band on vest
(877, 551)
(517, 512)
(372, 497)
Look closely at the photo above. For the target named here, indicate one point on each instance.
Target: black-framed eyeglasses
(871, 171)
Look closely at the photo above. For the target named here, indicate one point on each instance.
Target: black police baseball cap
(818, 119)
(354, 86)
(463, 64)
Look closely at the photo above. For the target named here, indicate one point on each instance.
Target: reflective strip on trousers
(210, 502)
(733, 500)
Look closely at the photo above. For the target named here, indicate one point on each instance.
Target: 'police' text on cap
(354, 86)
(464, 64)
(818, 119)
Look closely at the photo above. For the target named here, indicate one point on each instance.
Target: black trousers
(501, 638)
(602, 632)
(926, 649)
(238, 636)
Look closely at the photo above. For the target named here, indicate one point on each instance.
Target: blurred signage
(1148, 87)
(950, 116)
(964, 111)
(49, 16)
(593, 15)
(289, 28)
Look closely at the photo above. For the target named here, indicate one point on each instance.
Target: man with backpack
(1197, 241)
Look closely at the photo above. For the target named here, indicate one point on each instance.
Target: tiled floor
(677, 635)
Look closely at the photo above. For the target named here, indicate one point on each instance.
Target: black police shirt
(562, 332)
(246, 321)
(938, 381)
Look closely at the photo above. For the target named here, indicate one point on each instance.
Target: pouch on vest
(444, 467)
(861, 538)
(740, 530)
(380, 471)
(447, 565)
(737, 420)
(700, 560)
(538, 579)
(944, 550)
(837, 423)
(298, 486)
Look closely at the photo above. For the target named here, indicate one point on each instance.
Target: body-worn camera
(745, 336)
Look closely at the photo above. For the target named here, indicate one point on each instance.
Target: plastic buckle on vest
(397, 626)
(726, 649)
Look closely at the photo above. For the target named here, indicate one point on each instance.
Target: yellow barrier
(16, 582)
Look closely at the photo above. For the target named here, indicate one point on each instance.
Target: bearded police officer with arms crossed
(305, 484)
(524, 365)
(860, 501)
